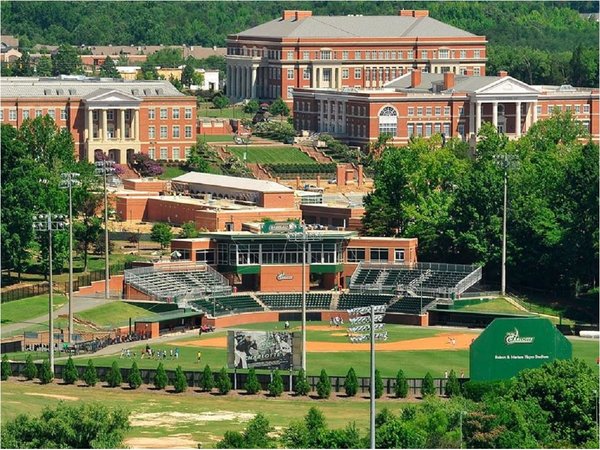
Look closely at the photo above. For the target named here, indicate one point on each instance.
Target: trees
(276, 386)
(108, 69)
(223, 382)
(584, 66)
(351, 383)
(6, 369)
(427, 387)
(196, 160)
(378, 384)
(189, 76)
(252, 106)
(401, 388)
(146, 167)
(87, 425)
(30, 371)
(279, 108)
(45, 374)
(147, 71)
(220, 101)
(252, 385)
(135, 378)
(160, 377)
(90, 376)
(207, 382)
(161, 233)
(324, 385)
(180, 382)
(167, 57)
(188, 230)
(452, 387)
(301, 387)
(114, 377)
(70, 374)
(44, 67)
(256, 435)
(66, 61)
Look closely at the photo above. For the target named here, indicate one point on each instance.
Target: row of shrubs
(223, 383)
(284, 168)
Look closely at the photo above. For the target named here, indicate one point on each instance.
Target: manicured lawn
(216, 138)
(496, 305)
(172, 172)
(114, 314)
(206, 110)
(28, 308)
(273, 155)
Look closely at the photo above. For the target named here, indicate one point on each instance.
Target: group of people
(462, 374)
(336, 321)
(151, 353)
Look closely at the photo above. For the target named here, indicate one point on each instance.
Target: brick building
(300, 50)
(423, 104)
(115, 117)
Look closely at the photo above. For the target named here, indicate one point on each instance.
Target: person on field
(198, 357)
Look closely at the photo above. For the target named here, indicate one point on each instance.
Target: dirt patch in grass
(175, 441)
(171, 419)
(58, 397)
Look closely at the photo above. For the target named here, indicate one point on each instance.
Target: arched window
(388, 121)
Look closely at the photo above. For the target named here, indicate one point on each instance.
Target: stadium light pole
(70, 179)
(505, 162)
(42, 223)
(103, 168)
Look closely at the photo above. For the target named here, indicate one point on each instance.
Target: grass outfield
(496, 305)
(114, 314)
(157, 414)
(29, 308)
(271, 155)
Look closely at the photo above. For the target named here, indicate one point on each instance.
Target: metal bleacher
(349, 300)
(314, 300)
(411, 305)
(231, 304)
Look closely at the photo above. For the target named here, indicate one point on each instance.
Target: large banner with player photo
(268, 350)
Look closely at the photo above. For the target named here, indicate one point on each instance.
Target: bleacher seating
(410, 305)
(240, 303)
(208, 306)
(314, 300)
(355, 300)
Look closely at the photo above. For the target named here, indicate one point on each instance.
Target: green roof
(179, 314)
(234, 236)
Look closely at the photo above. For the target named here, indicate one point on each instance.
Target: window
(306, 74)
(355, 254)
(151, 132)
(51, 113)
(393, 56)
(175, 113)
(163, 131)
(325, 54)
(461, 111)
(187, 152)
(188, 113)
(398, 254)
(388, 121)
(437, 128)
(151, 152)
(289, 92)
(176, 154)
(446, 110)
(163, 113)
(379, 254)
(447, 129)
(387, 54)
(357, 74)
(443, 54)
(357, 54)
(427, 129)
(345, 74)
(586, 124)
(380, 54)
(345, 54)
(411, 111)
(12, 114)
(461, 130)
(577, 109)
(411, 130)
(419, 111)
(423, 54)
(2, 114)
(63, 114)
(305, 55)
(477, 54)
(568, 108)
(25, 114)
(438, 110)
(290, 74)
(188, 131)
(463, 54)
(419, 129)
(38, 113)
(175, 131)
(400, 53)
(164, 153)
(205, 256)
(367, 54)
(290, 54)
(110, 114)
(586, 108)
(550, 109)
(428, 111)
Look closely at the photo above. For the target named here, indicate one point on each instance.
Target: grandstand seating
(207, 306)
(240, 303)
(314, 300)
(355, 300)
(411, 305)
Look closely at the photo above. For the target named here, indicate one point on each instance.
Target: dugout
(179, 320)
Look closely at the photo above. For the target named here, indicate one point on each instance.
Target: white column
(518, 119)
(534, 112)
(477, 117)
(253, 82)
(343, 130)
(89, 126)
(336, 106)
(471, 117)
(104, 125)
(229, 91)
(136, 125)
(121, 124)
(495, 114)
(238, 82)
(321, 115)
(313, 77)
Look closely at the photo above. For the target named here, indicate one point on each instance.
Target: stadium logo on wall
(512, 337)
(282, 276)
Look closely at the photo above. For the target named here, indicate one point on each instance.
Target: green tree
(223, 382)
(135, 378)
(160, 377)
(584, 67)
(114, 377)
(45, 374)
(161, 233)
(427, 387)
(66, 61)
(167, 57)
(452, 387)
(188, 230)
(276, 386)
(70, 374)
(44, 67)
(252, 385)
(180, 382)
(22, 67)
(324, 385)
(220, 102)
(85, 233)
(256, 435)
(87, 425)
(378, 384)
(147, 71)
(401, 388)
(351, 383)
(301, 387)
(108, 69)
(30, 371)
(90, 376)
(196, 160)
(252, 106)
(189, 76)
(6, 369)
(279, 108)
(207, 382)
